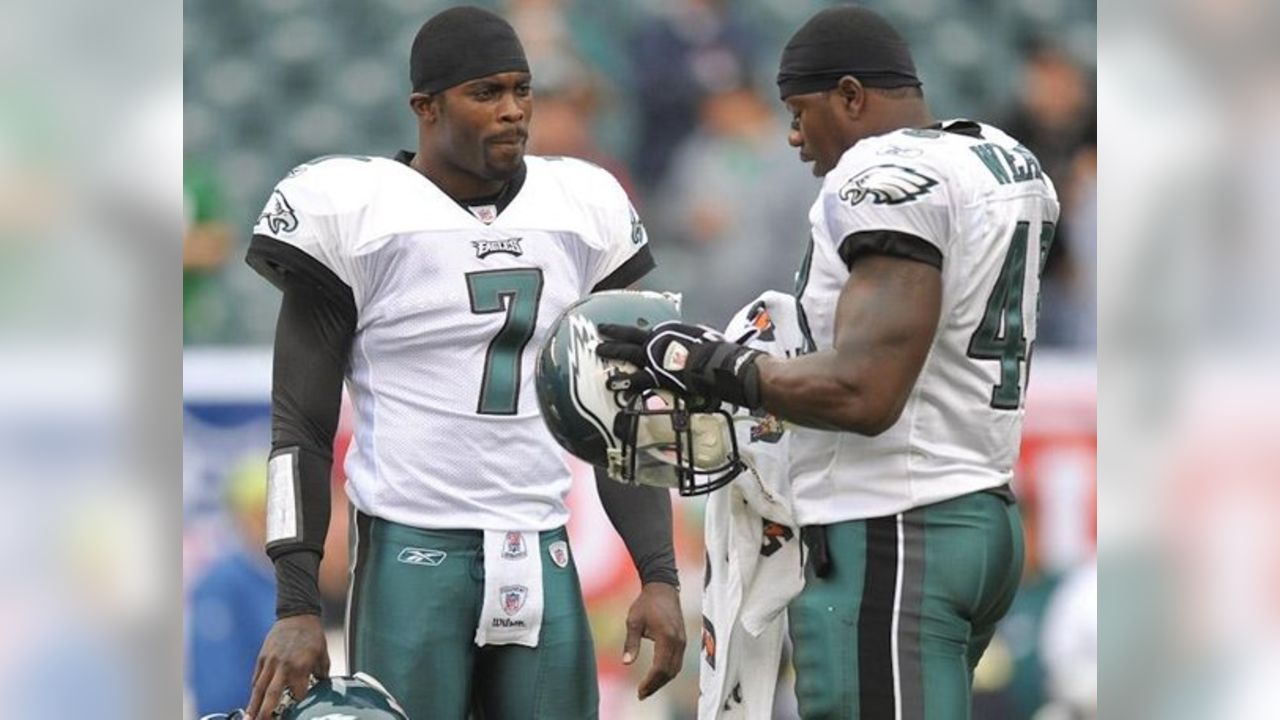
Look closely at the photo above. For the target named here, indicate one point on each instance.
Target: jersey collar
(498, 201)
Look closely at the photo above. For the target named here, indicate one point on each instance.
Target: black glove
(692, 361)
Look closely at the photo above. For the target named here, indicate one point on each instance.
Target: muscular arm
(887, 314)
(642, 517)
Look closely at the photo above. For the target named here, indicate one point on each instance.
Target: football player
(427, 283)
(918, 303)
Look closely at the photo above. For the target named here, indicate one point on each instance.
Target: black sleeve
(888, 242)
(635, 267)
(313, 340)
(642, 517)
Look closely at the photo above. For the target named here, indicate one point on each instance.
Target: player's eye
(523, 90)
(795, 123)
(483, 94)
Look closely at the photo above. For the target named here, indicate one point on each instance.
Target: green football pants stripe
(412, 626)
(910, 603)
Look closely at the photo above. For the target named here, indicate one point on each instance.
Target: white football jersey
(987, 213)
(451, 311)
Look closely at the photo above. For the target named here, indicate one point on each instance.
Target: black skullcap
(461, 44)
(845, 40)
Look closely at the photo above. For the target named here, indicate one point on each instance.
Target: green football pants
(905, 610)
(415, 601)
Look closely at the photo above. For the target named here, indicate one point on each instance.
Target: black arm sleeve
(642, 517)
(888, 242)
(313, 340)
(629, 272)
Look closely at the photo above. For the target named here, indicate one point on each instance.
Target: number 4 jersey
(973, 202)
(451, 305)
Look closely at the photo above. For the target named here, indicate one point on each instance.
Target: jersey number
(515, 292)
(999, 335)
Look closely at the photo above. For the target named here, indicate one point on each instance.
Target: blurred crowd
(677, 99)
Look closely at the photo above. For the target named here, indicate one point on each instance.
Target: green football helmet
(651, 437)
(358, 697)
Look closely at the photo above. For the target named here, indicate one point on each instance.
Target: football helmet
(648, 437)
(357, 697)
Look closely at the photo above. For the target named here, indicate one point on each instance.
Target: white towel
(512, 611)
(754, 555)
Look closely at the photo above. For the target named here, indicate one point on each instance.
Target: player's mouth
(512, 138)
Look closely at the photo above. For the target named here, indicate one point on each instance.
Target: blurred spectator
(730, 222)
(692, 47)
(206, 245)
(1069, 296)
(1052, 118)
(1069, 647)
(1054, 109)
(234, 604)
(567, 103)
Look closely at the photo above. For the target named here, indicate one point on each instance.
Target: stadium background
(677, 99)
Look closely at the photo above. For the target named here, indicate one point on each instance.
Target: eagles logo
(278, 215)
(886, 185)
(485, 248)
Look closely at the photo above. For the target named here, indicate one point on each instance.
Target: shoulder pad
(338, 183)
(584, 180)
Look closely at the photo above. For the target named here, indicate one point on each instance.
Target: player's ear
(425, 105)
(853, 97)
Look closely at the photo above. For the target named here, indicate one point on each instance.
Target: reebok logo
(421, 556)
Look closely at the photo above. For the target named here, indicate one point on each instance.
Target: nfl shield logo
(513, 546)
(559, 551)
(512, 598)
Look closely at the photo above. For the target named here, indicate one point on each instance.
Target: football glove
(693, 361)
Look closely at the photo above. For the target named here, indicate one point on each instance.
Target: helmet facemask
(666, 442)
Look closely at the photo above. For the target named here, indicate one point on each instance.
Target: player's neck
(905, 114)
(457, 184)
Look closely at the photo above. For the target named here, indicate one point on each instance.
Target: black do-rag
(461, 44)
(845, 40)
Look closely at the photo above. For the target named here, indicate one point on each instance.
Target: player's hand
(656, 615)
(692, 361)
(294, 650)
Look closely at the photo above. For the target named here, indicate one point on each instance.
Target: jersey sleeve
(625, 256)
(300, 236)
(882, 205)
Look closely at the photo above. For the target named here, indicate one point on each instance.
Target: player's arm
(886, 317)
(642, 517)
(313, 338)
(885, 322)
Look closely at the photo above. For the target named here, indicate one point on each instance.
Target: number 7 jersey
(451, 307)
(973, 202)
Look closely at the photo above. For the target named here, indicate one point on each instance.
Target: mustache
(511, 136)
